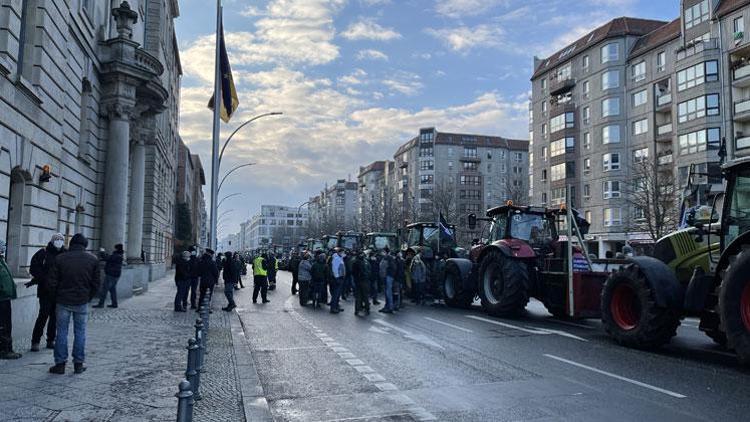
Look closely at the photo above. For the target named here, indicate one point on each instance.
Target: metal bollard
(199, 341)
(185, 402)
(192, 375)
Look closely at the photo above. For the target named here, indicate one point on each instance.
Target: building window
(611, 134)
(558, 196)
(470, 152)
(586, 191)
(544, 175)
(26, 38)
(586, 89)
(427, 165)
(586, 115)
(586, 140)
(471, 166)
(610, 189)
(544, 130)
(610, 52)
(544, 153)
(611, 161)
(585, 62)
(640, 127)
(639, 213)
(544, 198)
(586, 165)
(544, 106)
(610, 107)
(517, 169)
(693, 142)
(518, 157)
(557, 172)
(697, 75)
(470, 194)
(426, 179)
(639, 98)
(470, 180)
(612, 217)
(739, 27)
(698, 107)
(559, 147)
(426, 152)
(543, 83)
(640, 155)
(638, 71)
(611, 79)
(696, 14)
(661, 61)
(562, 121)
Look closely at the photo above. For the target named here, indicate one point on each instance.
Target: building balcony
(664, 102)
(560, 86)
(664, 133)
(665, 160)
(470, 159)
(697, 47)
(742, 111)
(741, 76)
(741, 142)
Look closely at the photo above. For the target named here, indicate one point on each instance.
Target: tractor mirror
(472, 221)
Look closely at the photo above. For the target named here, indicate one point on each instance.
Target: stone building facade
(274, 225)
(190, 181)
(90, 90)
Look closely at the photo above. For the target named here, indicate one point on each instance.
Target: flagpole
(217, 128)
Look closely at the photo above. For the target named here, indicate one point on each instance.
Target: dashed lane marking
(437, 321)
(420, 338)
(618, 377)
(506, 325)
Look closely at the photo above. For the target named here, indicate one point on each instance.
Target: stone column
(115, 203)
(135, 214)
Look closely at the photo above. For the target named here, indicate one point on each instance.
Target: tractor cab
(379, 241)
(330, 242)
(349, 241)
(431, 239)
(314, 245)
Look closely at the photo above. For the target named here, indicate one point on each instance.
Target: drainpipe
(727, 126)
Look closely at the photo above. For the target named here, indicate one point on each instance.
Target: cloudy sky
(357, 78)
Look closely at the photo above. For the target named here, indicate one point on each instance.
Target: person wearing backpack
(41, 265)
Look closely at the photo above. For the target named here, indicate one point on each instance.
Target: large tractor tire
(630, 314)
(503, 285)
(453, 291)
(719, 337)
(734, 305)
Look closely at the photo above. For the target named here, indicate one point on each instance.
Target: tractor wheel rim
(450, 290)
(493, 284)
(745, 306)
(624, 307)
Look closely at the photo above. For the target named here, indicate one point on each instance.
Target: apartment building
(274, 225)
(635, 91)
(377, 207)
(457, 174)
(336, 208)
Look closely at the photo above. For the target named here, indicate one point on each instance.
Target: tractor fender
(668, 292)
(466, 268)
(730, 250)
(503, 248)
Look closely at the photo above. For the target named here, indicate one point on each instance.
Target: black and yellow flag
(228, 94)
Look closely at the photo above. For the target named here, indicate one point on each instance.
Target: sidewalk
(136, 358)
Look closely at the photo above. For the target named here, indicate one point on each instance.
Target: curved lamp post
(221, 154)
(230, 172)
(227, 197)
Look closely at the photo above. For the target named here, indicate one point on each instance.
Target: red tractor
(526, 257)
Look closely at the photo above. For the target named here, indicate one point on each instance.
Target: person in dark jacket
(74, 281)
(7, 294)
(209, 274)
(361, 276)
(294, 262)
(238, 264)
(230, 281)
(41, 265)
(112, 273)
(374, 277)
(272, 265)
(182, 280)
(319, 273)
(194, 275)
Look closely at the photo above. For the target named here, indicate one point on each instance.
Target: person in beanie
(230, 281)
(304, 277)
(41, 265)
(112, 273)
(319, 274)
(209, 274)
(361, 276)
(7, 294)
(182, 280)
(194, 275)
(74, 281)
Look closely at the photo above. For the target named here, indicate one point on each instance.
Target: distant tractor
(350, 241)
(643, 303)
(435, 242)
(380, 241)
(526, 257)
(330, 242)
(314, 245)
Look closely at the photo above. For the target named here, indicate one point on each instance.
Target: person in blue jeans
(387, 272)
(112, 273)
(338, 269)
(74, 281)
(182, 276)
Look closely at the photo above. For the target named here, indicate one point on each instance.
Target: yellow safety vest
(258, 267)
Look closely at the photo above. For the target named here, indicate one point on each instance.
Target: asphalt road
(437, 363)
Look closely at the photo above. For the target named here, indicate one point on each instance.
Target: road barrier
(189, 388)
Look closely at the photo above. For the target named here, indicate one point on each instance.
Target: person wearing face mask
(112, 273)
(41, 265)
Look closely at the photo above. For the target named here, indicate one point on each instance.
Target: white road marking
(364, 369)
(386, 386)
(572, 324)
(375, 329)
(347, 355)
(466, 330)
(618, 377)
(421, 338)
(561, 333)
(355, 362)
(284, 349)
(375, 378)
(503, 324)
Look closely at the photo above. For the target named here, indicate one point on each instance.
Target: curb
(254, 402)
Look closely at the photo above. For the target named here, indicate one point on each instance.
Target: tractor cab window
(414, 237)
(331, 243)
(497, 229)
(534, 228)
(447, 238)
(738, 221)
(382, 242)
(349, 242)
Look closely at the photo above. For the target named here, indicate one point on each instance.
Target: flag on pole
(228, 94)
(444, 227)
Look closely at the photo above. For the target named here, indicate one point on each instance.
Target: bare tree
(652, 199)
(517, 190)
(444, 201)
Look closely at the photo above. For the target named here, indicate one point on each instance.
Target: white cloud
(354, 78)
(461, 8)
(375, 2)
(405, 83)
(368, 29)
(371, 55)
(464, 38)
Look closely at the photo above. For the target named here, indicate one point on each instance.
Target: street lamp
(221, 154)
(227, 175)
(225, 213)
(227, 197)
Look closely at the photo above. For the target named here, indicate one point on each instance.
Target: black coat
(113, 264)
(231, 271)
(182, 270)
(195, 270)
(41, 265)
(74, 278)
(208, 271)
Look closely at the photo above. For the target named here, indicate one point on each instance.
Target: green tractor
(377, 242)
(701, 271)
(437, 243)
(314, 245)
(330, 242)
(350, 241)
